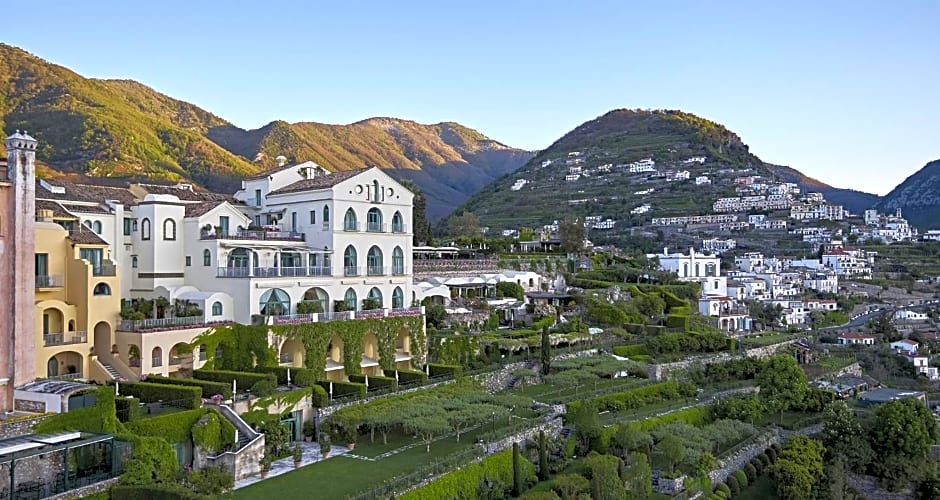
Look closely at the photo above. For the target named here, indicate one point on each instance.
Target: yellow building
(78, 301)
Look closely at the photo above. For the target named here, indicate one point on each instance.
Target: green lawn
(547, 393)
(765, 340)
(763, 488)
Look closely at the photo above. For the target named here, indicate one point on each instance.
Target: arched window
(398, 261)
(350, 261)
(216, 308)
(134, 262)
(398, 298)
(87, 224)
(145, 229)
(206, 258)
(350, 299)
(375, 298)
(102, 289)
(374, 261)
(398, 224)
(157, 357)
(203, 352)
(275, 302)
(374, 220)
(349, 221)
(169, 229)
(326, 217)
(96, 227)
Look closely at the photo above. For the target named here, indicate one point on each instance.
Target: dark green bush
(301, 377)
(441, 370)
(742, 478)
(319, 396)
(376, 382)
(179, 395)
(128, 409)
(733, 485)
(343, 389)
(409, 377)
(680, 321)
(244, 380)
(264, 387)
(209, 388)
(722, 487)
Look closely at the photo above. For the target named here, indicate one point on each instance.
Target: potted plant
(351, 435)
(298, 455)
(309, 431)
(265, 465)
(324, 444)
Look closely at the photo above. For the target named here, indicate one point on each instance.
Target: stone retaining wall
(20, 426)
(552, 428)
(867, 487)
(85, 490)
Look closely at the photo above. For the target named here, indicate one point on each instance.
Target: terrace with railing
(256, 235)
(64, 338)
(164, 324)
(49, 281)
(293, 319)
(450, 266)
(272, 272)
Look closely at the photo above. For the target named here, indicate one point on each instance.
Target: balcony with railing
(106, 268)
(430, 266)
(375, 271)
(398, 271)
(49, 281)
(352, 226)
(399, 228)
(142, 325)
(272, 272)
(352, 271)
(256, 235)
(64, 338)
(293, 319)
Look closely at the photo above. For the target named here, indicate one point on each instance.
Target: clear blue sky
(846, 91)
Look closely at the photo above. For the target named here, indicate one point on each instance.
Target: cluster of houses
(908, 349)
(885, 228)
(814, 207)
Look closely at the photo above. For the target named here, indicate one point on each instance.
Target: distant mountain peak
(918, 197)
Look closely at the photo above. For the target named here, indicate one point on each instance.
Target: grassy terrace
(768, 339)
(548, 393)
(763, 488)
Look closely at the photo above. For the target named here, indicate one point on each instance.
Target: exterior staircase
(114, 373)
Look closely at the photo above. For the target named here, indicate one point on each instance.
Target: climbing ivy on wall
(244, 347)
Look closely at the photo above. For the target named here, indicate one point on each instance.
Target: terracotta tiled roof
(85, 209)
(85, 192)
(854, 335)
(319, 182)
(57, 210)
(86, 237)
(198, 209)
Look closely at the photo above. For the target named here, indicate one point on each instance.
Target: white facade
(907, 346)
(702, 179)
(718, 246)
(909, 315)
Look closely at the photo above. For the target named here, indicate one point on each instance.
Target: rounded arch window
(217, 308)
(169, 229)
(349, 220)
(145, 229)
(134, 262)
(398, 261)
(96, 227)
(206, 258)
(275, 302)
(375, 298)
(374, 260)
(398, 298)
(350, 261)
(374, 220)
(398, 223)
(350, 299)
(102, 289)
(326, 215)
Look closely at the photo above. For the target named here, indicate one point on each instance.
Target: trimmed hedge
(128, 409)
(408, 377)
(442, 370)
(677, 321)
(172, 427)
(697, 416)
(637, 397)
(244, 380)
(319, 396)
(342, 389)
(376, 382)
(301, 377)
(184, 396)
(631, 351)
(496, 471)
(154, 492)
(209, 388)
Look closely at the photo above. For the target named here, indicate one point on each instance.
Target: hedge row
(639, 329)
(407, 377)
(697, 416)
(319, 396)
(494, 471)
(182, 396)
(301, 377)
(375, 382)
(244, 380)
(154, 492)
(677, 321)
(631, 351)
(209, 388)
(637, 397)
(128, 409)
(342, 389)
(442, 370)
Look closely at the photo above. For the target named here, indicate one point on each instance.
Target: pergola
(43, 465)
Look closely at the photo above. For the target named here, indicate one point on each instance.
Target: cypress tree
(516, 471)
(543, 457)
(546, 352)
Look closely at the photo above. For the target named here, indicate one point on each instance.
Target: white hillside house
(518, 184)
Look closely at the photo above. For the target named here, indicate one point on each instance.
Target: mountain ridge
(918, 197)
(122, 129)
(853, 200)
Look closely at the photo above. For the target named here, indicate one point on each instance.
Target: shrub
(742, 478)
(733, 486)
(490, 478)
(301, 377)
(341, 389)
(409, 377)
(724, 489)
(764, 459)
(209, 388)
(242, 379)
(771, 455)
(757, 465)
(264, 388)
(677, 321)
(212, 481)
(128, 409)
(637, 397)
(319, 396)
(182, 396)
(376, 382)
(441, 370)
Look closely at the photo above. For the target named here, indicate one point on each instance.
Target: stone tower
(17, 266)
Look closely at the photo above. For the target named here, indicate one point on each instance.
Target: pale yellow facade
(77, 304)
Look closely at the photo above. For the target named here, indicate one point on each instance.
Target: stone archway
(292, 353)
